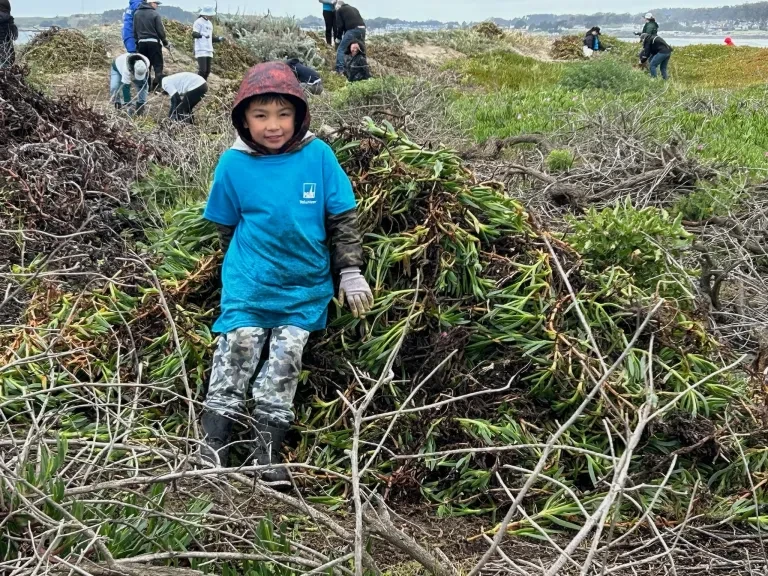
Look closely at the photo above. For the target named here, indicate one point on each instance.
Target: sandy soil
(431, 53)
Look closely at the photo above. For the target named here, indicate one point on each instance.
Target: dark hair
(269, 98)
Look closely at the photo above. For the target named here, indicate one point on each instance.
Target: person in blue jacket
(129, 41)
(592, 42)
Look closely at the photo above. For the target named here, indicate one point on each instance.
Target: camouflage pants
(274, 387)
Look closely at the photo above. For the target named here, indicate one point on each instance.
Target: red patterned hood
(272, 78)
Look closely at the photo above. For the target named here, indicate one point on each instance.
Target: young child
(278, 195)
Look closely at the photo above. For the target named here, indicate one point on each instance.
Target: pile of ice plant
(273, 38)
(461, 271)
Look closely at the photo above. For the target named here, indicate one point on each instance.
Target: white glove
(356, 290)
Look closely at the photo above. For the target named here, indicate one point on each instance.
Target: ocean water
(672, 40)
(24, 37)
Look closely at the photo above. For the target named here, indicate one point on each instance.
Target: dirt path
(434, 54)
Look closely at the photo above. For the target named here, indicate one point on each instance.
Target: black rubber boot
(217, 430)
(268, 442)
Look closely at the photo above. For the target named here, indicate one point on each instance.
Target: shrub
(489, 29)
(507, 112)
(501, 69)
(603, 73)
(373, 91)
(706, 202)
(560, 161)
(273, 38)
(637, 240)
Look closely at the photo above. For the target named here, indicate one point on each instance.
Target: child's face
(354, 49)
(271, 125)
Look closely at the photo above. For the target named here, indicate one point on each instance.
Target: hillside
(563, 372)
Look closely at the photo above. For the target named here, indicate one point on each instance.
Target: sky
(444, 10)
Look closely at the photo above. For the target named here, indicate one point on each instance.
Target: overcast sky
(445, 10)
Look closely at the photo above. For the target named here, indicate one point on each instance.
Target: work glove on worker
(356, 291)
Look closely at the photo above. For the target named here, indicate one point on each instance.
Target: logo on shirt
(308, 194)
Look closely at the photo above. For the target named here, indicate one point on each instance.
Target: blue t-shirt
(327, 7)
(277, 269)
(596, 44)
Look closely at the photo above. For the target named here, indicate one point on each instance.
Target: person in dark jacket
(656, 52)
(149, 32)
(128, 40)
(350, 28)
(9, 33)
(356, 67)
(329, 16)
(308, 77)
(592, 42)
(651, 26)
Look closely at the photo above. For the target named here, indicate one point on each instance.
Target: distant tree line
(669, 18)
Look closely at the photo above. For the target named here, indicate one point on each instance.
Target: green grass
(506, 70)
(714, 66)
(726, 127)
(510, 112)
(730, 128)
(605, 73)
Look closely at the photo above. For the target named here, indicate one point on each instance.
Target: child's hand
(356, 290)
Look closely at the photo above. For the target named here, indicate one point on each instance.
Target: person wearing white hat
(651, 26)
(202, 32)
(127, 70)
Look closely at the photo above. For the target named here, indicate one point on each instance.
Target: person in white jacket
(127, 70)
(202, 32)
(186, 90)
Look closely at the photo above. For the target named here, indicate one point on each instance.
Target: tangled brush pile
(457, 266)
(58, 50)
(505, 335)
(65, 171)
(489, 29)
(567, 48)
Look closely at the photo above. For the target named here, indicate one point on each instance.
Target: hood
(134, 4)
(5, 6)
(271, 78)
